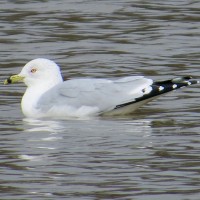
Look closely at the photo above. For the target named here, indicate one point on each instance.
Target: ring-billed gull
(47, 95)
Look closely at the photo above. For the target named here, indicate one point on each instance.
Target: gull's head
(38, 72)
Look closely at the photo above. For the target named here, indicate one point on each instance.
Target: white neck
(31, 97)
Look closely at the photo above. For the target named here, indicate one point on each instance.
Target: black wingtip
(162, 87)
(177, 82)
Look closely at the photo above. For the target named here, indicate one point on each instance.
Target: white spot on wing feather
(161, 88)
(174, 86)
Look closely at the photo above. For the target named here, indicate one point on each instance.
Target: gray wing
(102, 94)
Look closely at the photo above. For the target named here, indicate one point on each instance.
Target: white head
(40, 75)
(38, 72)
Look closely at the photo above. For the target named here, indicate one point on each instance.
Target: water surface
(152, 154)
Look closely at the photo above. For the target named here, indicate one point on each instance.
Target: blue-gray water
(152, 154)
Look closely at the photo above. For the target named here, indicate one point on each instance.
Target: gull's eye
(33, 70)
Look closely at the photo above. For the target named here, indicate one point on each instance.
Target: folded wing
(102, 94)
(109, 97)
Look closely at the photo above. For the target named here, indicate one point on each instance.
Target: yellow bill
(13, 79)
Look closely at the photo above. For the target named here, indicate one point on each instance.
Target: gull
(48, 95)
